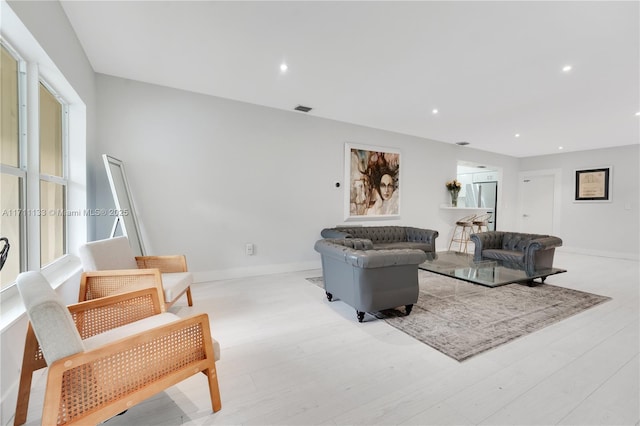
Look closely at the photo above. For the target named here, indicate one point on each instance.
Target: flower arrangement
(454, 185)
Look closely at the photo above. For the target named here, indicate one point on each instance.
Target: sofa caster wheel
(329, 296)
(407, 309)
(360, 316)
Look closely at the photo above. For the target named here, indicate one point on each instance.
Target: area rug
(461, 319)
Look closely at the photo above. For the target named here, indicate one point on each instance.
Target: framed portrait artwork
(593, 184)
(372, 177)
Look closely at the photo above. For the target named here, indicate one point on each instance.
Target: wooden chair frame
(167, 264)
(95, 385)
(95, 284)
(116, 254)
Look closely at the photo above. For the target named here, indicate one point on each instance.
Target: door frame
(557, 195)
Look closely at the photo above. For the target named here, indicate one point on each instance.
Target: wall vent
(303, 108)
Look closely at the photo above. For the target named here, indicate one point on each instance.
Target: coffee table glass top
(490, 273)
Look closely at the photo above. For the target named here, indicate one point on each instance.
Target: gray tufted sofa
(388, 237)
(529, 251)
(369, 280)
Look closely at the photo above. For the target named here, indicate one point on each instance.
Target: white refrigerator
(483, 195)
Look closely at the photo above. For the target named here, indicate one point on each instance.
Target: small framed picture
(593, 184)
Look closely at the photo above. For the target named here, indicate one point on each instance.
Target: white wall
(209, 175)
(602, 228)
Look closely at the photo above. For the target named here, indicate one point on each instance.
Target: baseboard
(252, 271)
(600, 253)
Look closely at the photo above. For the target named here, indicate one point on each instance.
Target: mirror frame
(125, 211)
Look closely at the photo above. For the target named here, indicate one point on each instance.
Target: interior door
(537, 192)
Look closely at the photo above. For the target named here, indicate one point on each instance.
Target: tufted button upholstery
(388, 237)
(360, 253)
(369, 279)
(530, 251)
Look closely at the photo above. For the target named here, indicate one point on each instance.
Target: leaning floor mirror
(126, 222)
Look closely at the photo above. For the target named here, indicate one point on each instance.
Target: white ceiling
(492, 69)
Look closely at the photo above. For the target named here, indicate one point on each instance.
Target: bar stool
(481, 222)
(464, 228)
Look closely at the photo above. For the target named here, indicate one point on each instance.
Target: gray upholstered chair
(116, 254)
(369, 280)
(107, 354)
(531, 252)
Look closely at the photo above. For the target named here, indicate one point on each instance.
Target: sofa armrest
(334, 233)
(338, 248)
(544, 243)
(539, 253)
(484, 241)
(421, 235)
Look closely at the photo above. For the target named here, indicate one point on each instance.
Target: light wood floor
(291, 357)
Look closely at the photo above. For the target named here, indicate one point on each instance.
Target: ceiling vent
(302, 108)
(462, 143)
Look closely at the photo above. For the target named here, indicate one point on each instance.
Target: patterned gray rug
(461, 319)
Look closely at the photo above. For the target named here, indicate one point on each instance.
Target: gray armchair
(532, 252)
(369, 280)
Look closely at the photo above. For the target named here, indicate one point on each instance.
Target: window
(52, 178)
(26, 188)
(33, 190)
(12, 176)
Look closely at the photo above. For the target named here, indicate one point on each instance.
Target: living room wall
(209, 175)
(599, 228)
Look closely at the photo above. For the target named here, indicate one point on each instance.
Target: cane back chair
(116, 254)
(108, 354)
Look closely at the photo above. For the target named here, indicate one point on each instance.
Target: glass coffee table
(490, 273)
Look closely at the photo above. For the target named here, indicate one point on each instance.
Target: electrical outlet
(248, 249)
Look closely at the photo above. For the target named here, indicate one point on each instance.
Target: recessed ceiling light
(567, 68)
(434, 111)
(517, 135)
(638, 114)
(284, 67)
(561, 147)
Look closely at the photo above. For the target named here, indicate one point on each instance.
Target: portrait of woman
(374, 183)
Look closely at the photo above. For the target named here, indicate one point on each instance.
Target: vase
(454, 198)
